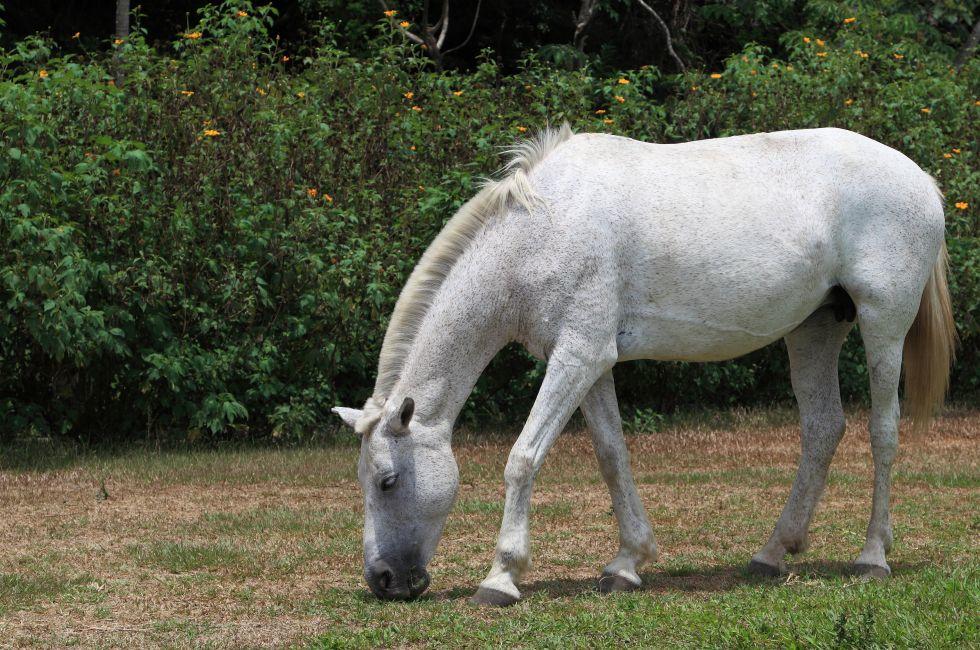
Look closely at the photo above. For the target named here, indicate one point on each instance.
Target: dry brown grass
(242, 550)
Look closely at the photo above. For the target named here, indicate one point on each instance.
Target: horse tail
(930, 346)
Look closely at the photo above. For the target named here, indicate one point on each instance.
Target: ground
(261, 547)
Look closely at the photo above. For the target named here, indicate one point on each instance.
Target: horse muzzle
(389, 583)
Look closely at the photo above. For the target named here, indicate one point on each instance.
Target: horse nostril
(384, 579)
(418, 581)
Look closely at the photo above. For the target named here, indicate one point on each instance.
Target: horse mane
(513, 188)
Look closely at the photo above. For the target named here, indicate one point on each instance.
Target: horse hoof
(763, 570)
(493, 598)
(611, 583)
(871, 571)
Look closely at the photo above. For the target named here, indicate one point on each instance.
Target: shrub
(215, 246)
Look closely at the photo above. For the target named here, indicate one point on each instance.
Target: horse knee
(519, 469)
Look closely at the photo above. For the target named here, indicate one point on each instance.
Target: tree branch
(663, 26)
(585, 12)
(444, 21)
(472, 29)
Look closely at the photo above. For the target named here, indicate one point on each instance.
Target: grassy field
(261, 547)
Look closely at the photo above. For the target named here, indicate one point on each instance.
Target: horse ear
(405, 413)
(349, 416)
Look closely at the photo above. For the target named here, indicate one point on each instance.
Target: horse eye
(388, 482)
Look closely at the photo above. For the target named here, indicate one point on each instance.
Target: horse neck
(464, 327)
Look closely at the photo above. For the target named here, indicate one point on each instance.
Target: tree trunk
(969, 47)
(122, 33)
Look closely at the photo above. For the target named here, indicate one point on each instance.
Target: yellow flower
(118, 41)
(623, 81)
(186, 93)
(619, 98)
(898, 57)
(412, 148)
(821, 54)
(848, 101)
(311, 192)
(962, 205)
(285, 58)
(977, 103)
(457, 92)
(43, 74)
(260, 91)
(301, 94)
(404, 24)
(409, 94)
(417, 109)
(716, 75)
(955, 150)
(522, 129)
(947, 155)
(695, 88)
(790, 68)
(601, 111)
(775, 66)
(212, 133)
(848, 21)
(926, 110)
(327, 198)
(193, 36)
(390, 13)
(806, 39)
(243, 14)
(607, 121)
(820, 43)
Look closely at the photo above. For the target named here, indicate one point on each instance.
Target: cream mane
(423, 284)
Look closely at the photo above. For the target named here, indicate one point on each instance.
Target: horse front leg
(568, 378)
(636, 542)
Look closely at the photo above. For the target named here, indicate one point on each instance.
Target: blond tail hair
(930, 346)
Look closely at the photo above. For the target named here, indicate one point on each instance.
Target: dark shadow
(713, 579)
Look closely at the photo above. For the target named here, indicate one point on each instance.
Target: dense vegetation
(213, 244)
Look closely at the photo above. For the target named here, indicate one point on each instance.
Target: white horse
(595, 249)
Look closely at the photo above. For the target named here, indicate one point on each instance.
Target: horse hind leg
(636, 542)
(814, 348)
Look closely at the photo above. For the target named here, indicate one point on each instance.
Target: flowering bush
(214, 246)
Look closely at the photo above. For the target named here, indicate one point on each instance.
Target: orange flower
(409, 94)
(390, 13)
(601, 111)
(715, 75)
(607, 121)
(926, 110)
(947, 155)
(116, 172)
(457, 92)
(820, 43)
(285, 58)
(186, 93)
(260, 91)
(76, 35)
(861, 54)
(694, 89)
(619, 98)
(311, 192)
(806, 39)
(301, 94)
(118, 41)
(43, 74)
(212, 133)
(848, 21)
(898, 57)
(412, 147)
(522, 129)
(955, 150)
(848, 102)
(962, 205)
(243, 14)
(417, 109)
(821, 54)
(404, 24)
(193, 36)
(623, 81)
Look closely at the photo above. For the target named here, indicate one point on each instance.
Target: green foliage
(215, 246)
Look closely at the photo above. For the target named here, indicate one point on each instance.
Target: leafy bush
(215, 245)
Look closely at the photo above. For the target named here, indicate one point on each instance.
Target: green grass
(262, 547)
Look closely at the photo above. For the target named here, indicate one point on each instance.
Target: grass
(261, 547)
